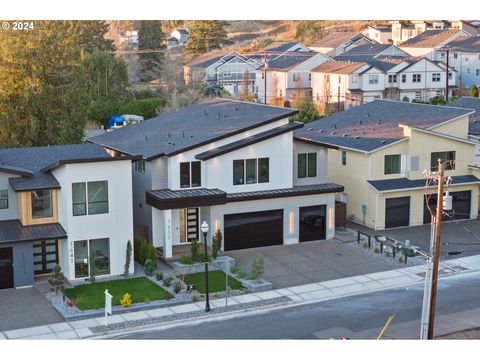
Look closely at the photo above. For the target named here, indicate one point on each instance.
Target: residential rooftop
(190, 127)
(289, 60)
(430, 38)
(468, 102)
(375, 124)
(333, 39)
(207, 59)
(465, 44)
(339, 67)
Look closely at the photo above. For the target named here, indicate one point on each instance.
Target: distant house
(337, 42)
(171, 42)
(379, 152)
(379, 33)
(428, 41)
(228, 69)
(181, 35)
(288, 76)
(401, 32)
(470, 26)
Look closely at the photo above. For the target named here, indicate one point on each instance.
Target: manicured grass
(216, 281)
(92, 296)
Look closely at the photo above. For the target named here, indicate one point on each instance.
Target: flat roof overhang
(12, 231)
(167, 199)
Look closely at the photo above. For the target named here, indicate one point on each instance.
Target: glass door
(189, 225)
(45, 256)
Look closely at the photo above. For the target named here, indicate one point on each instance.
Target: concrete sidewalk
(312, 292)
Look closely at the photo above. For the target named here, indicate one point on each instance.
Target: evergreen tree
(474, 91)
(42, 92)
(206, 36)
(151, 37)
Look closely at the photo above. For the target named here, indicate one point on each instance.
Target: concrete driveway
(21, 308)
(461, 236)
(314, 261)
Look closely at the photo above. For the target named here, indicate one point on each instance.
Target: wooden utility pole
(265, 64)
(436, 250)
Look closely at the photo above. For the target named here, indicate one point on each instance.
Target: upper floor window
(436, 77)
(373, 79)
(251, 171)
(477, 72)
(416, 78)
(344, 157)
(309, 76)
(392, 78)
(227, 73)
(294, 77)
(140, 166)
(190, 174)
(392, 164)
(354, 79)
(455, 55)
(307, 165)
(447, 158)
(3, 199)
(90, 198)
(450, 75)
(42, 206)
(404, 78)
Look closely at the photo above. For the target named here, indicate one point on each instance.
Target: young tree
(244, 93)
(128, 258)
(56, 279)
(474, 91)
(206, 36)
(307, 110)
(151, 40)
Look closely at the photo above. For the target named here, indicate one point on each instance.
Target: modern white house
(181, 35)
(369, 72)
(69, 205)
(288, 77)
(228, 69)
(337, 42)
(401, 31)
(233, 164)
(381, 33)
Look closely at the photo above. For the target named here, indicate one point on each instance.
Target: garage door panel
(254, 229)
(461, 205)
(397, 212)
(312, 223)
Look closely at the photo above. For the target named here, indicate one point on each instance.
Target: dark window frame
(74, 204)
(242, 178)
(4, 200)
(448, 161)
(185, 166)
(195, 174)
(51, 204)
(344, 157)
(263, 173)
(390, 168)
(88, 202)
(302, 160)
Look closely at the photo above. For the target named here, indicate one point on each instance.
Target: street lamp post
(205, 228)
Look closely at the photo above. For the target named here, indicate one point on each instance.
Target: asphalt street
(356, 317)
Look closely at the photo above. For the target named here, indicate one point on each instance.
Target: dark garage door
(6, 268)
(461, 204)
(254, 229)
(312, 223)
(397, 212)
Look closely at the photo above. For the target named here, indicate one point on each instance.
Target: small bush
(257, 268)
(159, 276)
(195, 298)
(168, 296)
(126, 300)
(151, 253)
(177, 287)
(168, 281)
(146, 301)
(401, 259)
(234, 270)
(56, 279)
(148, 108)
(216, 243)
(149, 267)
(186, 260)
(376, 251)
(195, 250)
(365, 245)
(203, 259)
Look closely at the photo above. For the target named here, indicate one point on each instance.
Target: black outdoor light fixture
(205, 228)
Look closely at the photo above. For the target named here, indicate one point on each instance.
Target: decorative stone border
(255, 286)
(217, 264)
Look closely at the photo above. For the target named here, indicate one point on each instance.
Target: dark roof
(465, 44)
(468, 102)
(35, 159)
(182, 31)
(207, 59)
(366, 50)
(278, 46)
(14, 231)
(375, 124)
(179, 199)
(334, 38)
(249, 141)
(289, 60)
(430, 38)
(190, 127)
(280, 193)
(405, 184)
(172, 39)
(339, 67)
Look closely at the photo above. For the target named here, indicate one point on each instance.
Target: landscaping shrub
(203, 259)
(126, 300)
(100, 111)
(128, 258)
(187, 260)
(195, 298)
(376, 251)
(159, 276)
(168, 281)
(151, 253)
(148, 108)
(177, 286)
(216, 243)
(149, 267)
(195, 250)
(56, 279)
(257, 268)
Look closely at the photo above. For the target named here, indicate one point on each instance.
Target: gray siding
(12, 211)
(300, 148)
(142, 213)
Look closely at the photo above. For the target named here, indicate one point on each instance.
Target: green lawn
(216, 281)
(92, 296)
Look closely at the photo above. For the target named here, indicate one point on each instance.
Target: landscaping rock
(217, 264)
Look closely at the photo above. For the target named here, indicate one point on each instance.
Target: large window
(344, 157)
(92, 257)
(447, 158)
(416, 78)
(392, 164)
(307, 165)
(3, 199)
(190, 174)
(373, 79)
(251, 171)
(42, 204)
(392, 78)
(140, 166)
(90, 198)
(436, 77)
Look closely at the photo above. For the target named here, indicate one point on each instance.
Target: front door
(45, 256)
(189, 225)
(6, 268)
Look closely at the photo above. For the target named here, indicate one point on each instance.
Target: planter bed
(217, 264)
(216, 281)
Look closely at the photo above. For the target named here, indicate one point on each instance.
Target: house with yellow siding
(380, 151)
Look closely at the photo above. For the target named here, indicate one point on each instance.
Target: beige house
(379, 152)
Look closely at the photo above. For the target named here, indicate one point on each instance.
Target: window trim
(51, 204)
(87, 202)
(256, 167)
(399, 156)
(6, 200)
(448, 165)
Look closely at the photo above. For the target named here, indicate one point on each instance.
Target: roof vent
(183, 134)
(236, 108)
(168, 134)
(225, 115)
(367, 115)
(357, 137)
(360, 123)
(334, 126)
(373, 129)
(204, 112)
(345, 135)
(310, 129)
(320, 131)
(333, 133)
(218, 114)
(383, 141)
